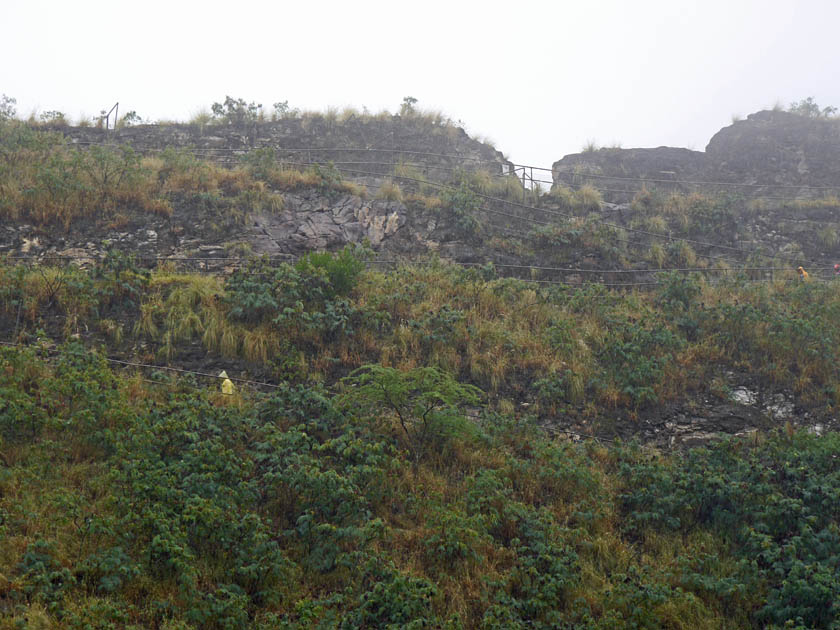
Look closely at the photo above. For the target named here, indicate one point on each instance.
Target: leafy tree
(132, 118)
(463, 203)
(236, 111)
(808, 107)
(407, 107)
(53, 117)
(282, 110)
(426, 402)
(8, 109)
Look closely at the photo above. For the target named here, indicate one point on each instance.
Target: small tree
(53, 117)
(426, 403)
(808, 107)
(236, 111)
(7, 107)
(407, 108)
(463, 204)
(282, 110)
(131, 118)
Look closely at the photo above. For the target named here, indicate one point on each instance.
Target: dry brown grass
(284, 178)
(389, 191)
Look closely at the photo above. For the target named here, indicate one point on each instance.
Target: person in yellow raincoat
(227, 384)
(803, 275)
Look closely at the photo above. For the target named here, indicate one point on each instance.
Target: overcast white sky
(538, 78)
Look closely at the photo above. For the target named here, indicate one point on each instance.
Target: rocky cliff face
(363, 149)
(782, 152)
(362, 144)
(775, 152)
(781, 148)
(619, 171)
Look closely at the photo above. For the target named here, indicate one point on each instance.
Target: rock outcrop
(774, 152)
(366, 149)
(773, 147)
(313, 222)
(361, 146)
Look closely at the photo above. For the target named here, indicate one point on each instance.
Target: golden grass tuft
(685, 254)
(588, 198)
(657, 255)
(563, 195)
(260, 344)
(389, 191)
(285, 178)
(828, 236)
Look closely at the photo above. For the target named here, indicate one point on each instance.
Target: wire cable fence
(267, 387)
(543, 211)
(571, 276)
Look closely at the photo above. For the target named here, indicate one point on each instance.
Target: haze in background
(540, 79)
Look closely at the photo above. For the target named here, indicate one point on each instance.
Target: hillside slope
(498, 410)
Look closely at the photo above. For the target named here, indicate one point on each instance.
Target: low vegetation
(553, 347)
(47, 181)
(393, 469)
(129, 503)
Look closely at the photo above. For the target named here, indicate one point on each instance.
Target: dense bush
(300, 509)
(775, 506)
(462, 205)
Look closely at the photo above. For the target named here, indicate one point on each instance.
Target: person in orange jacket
(803, 275)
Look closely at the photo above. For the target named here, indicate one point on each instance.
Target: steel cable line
(244, 381)
(571, 216)
(395, 263)
(670, 238)
(239, 264)
(465, 158)
(450, 169)
(245, 151)
(694, 183)
(531, 237)
(580, 436)
(469, 158)
(573, 186)
(421, 263)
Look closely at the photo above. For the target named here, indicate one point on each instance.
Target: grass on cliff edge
(45, 180)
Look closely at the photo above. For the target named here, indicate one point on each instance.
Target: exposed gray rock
(744, 396)
(772, 148)
(308, 223)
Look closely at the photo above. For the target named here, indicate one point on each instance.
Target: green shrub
(43, 578)
(120, 281)
(771, 504)
(462, 204)
(22, 414)
(256, 291)
(633, 358)
(260, 163)
(108, 570)
(425, 401)
(532, 592)
(394, 602)
(342, 268)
